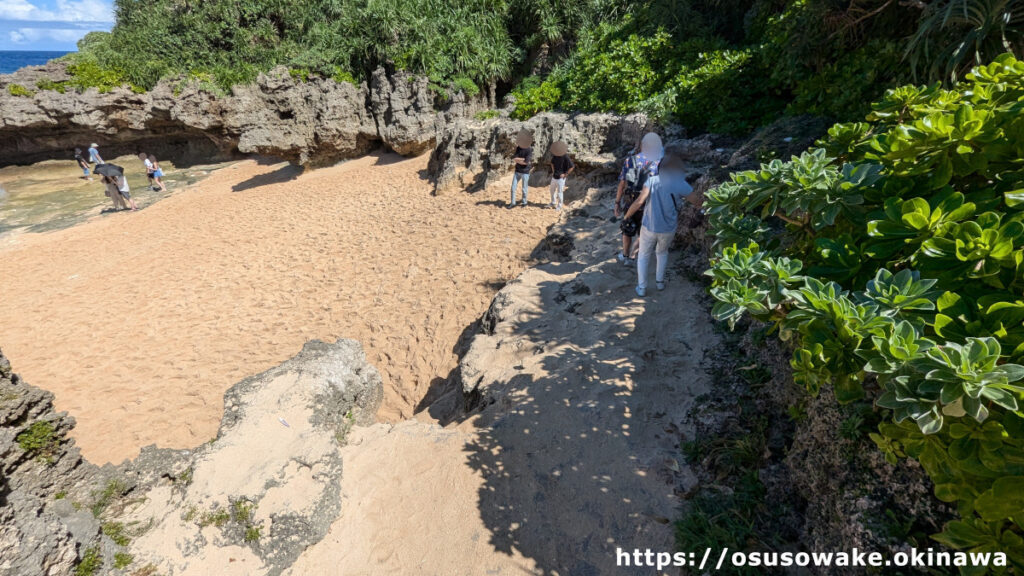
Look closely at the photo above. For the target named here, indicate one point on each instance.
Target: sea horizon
(12, 60)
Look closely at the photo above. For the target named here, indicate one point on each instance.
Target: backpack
(636, 175)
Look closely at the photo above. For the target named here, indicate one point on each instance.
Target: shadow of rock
(285, 173)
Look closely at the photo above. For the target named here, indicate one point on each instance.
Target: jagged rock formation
(254, 497)
(307, 122)
(41, 471)
(472, 154)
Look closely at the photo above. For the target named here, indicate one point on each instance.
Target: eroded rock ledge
(307, 122)
(255, 496)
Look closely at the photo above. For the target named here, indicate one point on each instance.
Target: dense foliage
(892, 257)
(469, 43)
(732, 66)
(721, 66)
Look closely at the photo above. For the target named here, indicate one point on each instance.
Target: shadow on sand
(588, 393)
(285, 173)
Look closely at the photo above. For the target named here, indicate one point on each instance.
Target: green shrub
(340, 75)
(252, 533)
(300, 74)
(90, 563)
(892, 257)
(19, 90)
(698, 83)
(466, 86)
(111, 491)
(116, 532)
(123, 560)
(486, 114)
(47, 84)
(39, 440)
(86, 72)
(534, 96)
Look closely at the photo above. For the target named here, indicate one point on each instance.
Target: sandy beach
(139, 322)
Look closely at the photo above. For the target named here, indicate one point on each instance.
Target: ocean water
(11, 60)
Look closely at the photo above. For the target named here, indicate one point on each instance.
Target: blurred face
(651, 146)
(673, 177)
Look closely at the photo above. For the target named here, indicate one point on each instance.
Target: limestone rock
(471, 154)
(34, 538)
(307, 122)
(269, 485)
(250, 500)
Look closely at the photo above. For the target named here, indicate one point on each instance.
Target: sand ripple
(139, 322)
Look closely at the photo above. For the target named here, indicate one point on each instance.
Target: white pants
(651, 242)
(557, 191)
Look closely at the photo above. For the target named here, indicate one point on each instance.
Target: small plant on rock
(116, 532)
(112, 490)
(123, 560)
(40, 440)
(19, 90)
(91, 562)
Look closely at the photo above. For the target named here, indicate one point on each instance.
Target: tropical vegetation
(891, 257)
(726, 66)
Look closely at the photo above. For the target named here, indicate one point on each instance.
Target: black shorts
(630, 226)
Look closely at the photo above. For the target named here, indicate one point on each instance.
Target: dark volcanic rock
(313, 122)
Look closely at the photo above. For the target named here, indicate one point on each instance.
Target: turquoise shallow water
(11, 60)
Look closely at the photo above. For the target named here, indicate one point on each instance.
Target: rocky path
(585, 391)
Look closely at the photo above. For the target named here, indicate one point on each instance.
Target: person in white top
(153, 172)
(113, 193)
(122, 187)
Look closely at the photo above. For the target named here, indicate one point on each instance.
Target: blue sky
(51, 24)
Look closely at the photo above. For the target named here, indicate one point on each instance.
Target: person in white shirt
(113, 193)
(153, 172)
(122, 187)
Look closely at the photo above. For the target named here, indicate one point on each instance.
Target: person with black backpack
(636, 169)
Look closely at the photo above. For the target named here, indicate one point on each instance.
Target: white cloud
(62, 11)
(33, 35)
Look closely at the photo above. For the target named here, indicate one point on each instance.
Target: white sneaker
(660, 285)
(630, 261)
(641, 292)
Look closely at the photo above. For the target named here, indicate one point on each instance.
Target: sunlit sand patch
(139, 322)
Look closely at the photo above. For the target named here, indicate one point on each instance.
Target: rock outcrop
(307, 122)
(41, 472)
(247, 502)
(472, 154)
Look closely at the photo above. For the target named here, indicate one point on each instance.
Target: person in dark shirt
(523, 162)
(82, 164)
(561, 166)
